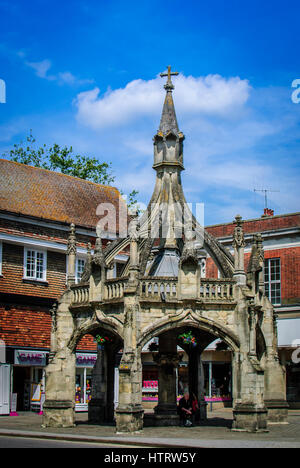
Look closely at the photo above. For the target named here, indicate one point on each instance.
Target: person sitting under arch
(185, 410)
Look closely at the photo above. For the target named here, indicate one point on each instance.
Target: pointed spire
(168, 122)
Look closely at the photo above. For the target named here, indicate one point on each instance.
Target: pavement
(213, 433)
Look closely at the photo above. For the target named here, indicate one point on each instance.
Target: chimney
(268, 212)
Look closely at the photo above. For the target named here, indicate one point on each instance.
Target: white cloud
(43, 67)
(70, 79)
(212, 95)
(237, 139)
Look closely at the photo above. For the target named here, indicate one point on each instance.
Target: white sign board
(30, 358)
(288, 331)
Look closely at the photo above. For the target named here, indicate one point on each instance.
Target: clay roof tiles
(53, 196)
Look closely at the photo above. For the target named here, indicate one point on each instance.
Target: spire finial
(169, 85)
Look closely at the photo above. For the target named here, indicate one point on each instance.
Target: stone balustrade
(80, 294)
(114, 288)
(212, 290)
(155, 287)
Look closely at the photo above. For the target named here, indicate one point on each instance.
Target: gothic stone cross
(169, 84)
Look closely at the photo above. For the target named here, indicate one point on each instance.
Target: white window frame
(34, 278)
(268, 284)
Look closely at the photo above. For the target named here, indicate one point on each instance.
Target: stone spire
(168, 122)
(168, 141)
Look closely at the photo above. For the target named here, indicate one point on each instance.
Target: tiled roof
(53, 196)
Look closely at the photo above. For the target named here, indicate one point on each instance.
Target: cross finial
(169, 85)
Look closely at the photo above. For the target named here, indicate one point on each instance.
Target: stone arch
(92, 325)
(189, 319)
(101, 406)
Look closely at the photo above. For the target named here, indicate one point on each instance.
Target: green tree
(62, 159)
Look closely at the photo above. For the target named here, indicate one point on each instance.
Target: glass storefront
(83, 386)
(28, 377)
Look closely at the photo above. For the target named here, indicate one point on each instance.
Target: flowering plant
(188, 339)
(101, 340)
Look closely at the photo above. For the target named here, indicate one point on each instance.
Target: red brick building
(36, 209)
(281, 241)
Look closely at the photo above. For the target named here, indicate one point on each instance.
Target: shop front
(217, 379)
(28, 379)
(83, 392)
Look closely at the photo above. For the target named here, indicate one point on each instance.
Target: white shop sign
(85, 360)
(30, 358)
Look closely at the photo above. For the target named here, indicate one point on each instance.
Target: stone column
(97, 405)
(110, 393)
(71, 255)
(239, 246)
(252, 329)
(59, 406)
(249, 411)
(129, 414)
(275, 373)
(167, 361)
(196, 380)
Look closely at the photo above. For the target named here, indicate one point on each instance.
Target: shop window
(83, 392)
(272, 278)
(35, 262)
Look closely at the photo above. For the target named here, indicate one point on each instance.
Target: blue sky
(86, 74)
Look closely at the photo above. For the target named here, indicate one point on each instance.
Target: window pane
(272, 275)
(30, 264)
(39, 265)
(34, 267)
(80, 268)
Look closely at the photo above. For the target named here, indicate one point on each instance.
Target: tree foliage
(61, 159)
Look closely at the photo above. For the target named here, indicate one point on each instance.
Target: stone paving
(215, 432)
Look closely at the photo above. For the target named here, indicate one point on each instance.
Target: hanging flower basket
(188, 339)
(102, 340)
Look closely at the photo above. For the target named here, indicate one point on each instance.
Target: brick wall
(30, 327)
(12, 281)
(257, 225)
(290, 272)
